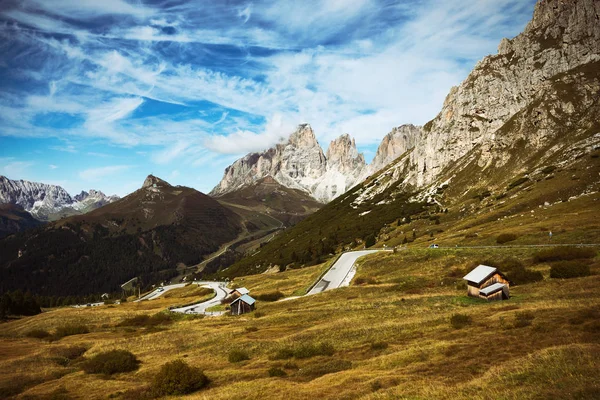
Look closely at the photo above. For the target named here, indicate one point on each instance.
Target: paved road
(200, 308)
(156, 293)
(340, 273)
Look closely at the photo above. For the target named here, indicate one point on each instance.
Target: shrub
(276, 372)
(365, 280)
(147, 320)
(379, 346)
(251, 329)
(38, 334)
(178, 378)
(70, 330)
(370, 240)
(270, 296)
(523, 319)
(111, 362)
(518, 182)
(322, 368)
(459, 321)
(304, 351)
(237, 355)
(505, 238)
(569, 269)
(564, 253)
(70, 352)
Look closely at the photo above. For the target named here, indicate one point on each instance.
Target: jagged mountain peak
(153, 181)
(49, 202)
(342, 153)
(303, 137)
(401, 139)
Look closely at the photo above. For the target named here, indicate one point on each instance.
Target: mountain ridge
(47, 202)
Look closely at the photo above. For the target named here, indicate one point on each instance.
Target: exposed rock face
(394, 144)
(562, 36)
(300, 164)
(45, 201)
(297, 164)
(535, 103)
(152, 181)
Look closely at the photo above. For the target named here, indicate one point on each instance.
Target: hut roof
(480, 274)
(246, 299)
(242, 291)
(496, 287)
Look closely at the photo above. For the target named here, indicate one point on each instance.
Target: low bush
(518, 182)
(459, 321)
(523, 319)
(70, 352)
(365, 280)
(147, 320)
(111, 362)
(238, 355)
(70, 330)
(38, 334)
(379, 346)
(304, 351)
(569, 269)
(564, 254)
(316, 370)
(178, 378)
(269, 296)
(505, 238)
(251, 329)
(276, 372)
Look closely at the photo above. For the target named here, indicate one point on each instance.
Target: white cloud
(175, 173)
(52, 166)
(95, 174)
(240, 142)
(89, 8)
(69, 148)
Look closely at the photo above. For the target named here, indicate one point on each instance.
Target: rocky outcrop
(46, 202)
(296, 164)
(394, 144)
(300, 164)
(562, 36)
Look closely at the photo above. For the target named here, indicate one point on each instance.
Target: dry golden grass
(409, 310)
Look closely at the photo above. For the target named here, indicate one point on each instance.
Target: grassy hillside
(397, 337)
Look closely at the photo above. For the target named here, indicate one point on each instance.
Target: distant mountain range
(49, 202)
(148, 234)
(300, 163)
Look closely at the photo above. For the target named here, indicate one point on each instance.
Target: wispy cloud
(52, 166)
(190, 83)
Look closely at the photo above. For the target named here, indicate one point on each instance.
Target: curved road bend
(200, 308)
(337, 275)
(156, 293)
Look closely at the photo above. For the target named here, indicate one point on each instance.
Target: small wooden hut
(483, 277)
(494, 292)
(242, 305)
(239, 292)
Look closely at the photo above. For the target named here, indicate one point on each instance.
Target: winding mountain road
(341, 272)
(156, 293)
(221, 291)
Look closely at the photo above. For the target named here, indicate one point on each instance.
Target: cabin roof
(480, 274)
(496, 287)
(241, 291)
(246, 299)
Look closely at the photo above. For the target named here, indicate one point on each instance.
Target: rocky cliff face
(45, 201)
(394, 144)
(297, 164)
(562, 36)
(535, 103)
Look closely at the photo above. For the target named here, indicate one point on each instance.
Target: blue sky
(99, 94)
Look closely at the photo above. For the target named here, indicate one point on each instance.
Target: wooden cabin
(239, 292)
(485, 276)
(242, 305)
(495, 292)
